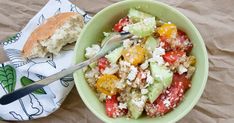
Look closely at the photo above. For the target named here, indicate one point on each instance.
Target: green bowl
(104, 21)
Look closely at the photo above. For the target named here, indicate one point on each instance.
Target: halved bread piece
(51, 36)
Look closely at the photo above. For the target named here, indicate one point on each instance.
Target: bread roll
(52, 35)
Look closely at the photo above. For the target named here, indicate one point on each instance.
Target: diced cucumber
(136, 104)
(143, 28)
(134, 109)
(155, 90)
(136, 15)
(135, 112)
(114, 55)
(93, 65)
(161, 74)
(151, 43)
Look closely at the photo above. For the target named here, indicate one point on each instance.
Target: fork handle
(19, 93)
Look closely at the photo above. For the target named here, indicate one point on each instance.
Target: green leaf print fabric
(8, 77)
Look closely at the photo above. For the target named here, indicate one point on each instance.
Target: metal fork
(113, 42)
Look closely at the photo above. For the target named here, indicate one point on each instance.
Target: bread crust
(46, 30)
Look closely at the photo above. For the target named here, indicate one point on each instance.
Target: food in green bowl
(150, 73)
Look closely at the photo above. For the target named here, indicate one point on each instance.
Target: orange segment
(134, 55)
(107, 84)
(167, 30)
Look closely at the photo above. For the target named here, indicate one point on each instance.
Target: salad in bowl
(150, 73)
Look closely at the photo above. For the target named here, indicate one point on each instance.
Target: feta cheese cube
(157, 56)
(145, 65)
(111, 70)
(127, 43)
(133, 73)
(181, 69)
(166, 102)
(139, 102)
(149, 78)
(92, 51)
(144, 91)
(122, 106)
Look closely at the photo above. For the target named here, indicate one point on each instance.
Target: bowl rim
(202, 87)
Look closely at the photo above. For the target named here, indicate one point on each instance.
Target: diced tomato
(125, 111)
(172, 56)
(111, 106)
(170, 98)
(180, 32)
(188, 48)
(179, 86)
(163, 38)
(134, 55)
(102, 64)
(158, 108)
(106, 84)
(166, 45)
(118, 27)
(162, 108)
(122, 22)
(185, 44)
(182, 36)
(167, 30)
(182, 78)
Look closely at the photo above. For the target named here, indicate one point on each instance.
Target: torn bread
(51, 36)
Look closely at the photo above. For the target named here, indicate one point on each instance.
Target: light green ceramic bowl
(104, 21)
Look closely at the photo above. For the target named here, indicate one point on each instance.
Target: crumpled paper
(19, 72)
(214, 20)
